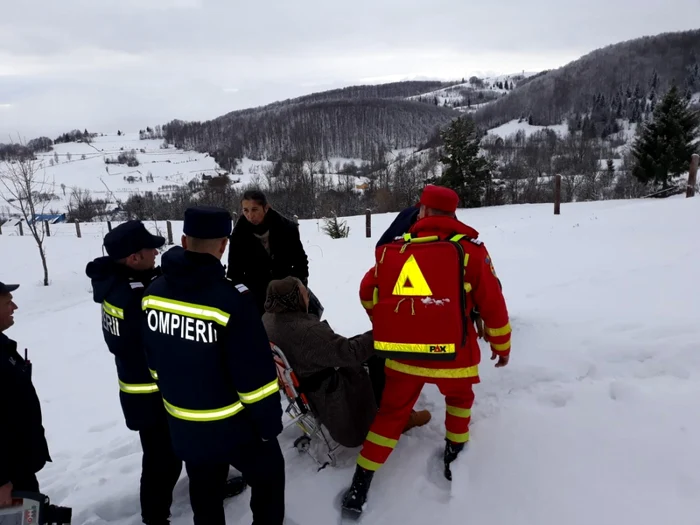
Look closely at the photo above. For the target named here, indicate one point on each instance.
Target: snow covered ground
(594, 420)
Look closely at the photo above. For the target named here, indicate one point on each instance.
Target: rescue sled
(301, 414)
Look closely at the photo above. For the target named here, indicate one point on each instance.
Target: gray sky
(108, 64)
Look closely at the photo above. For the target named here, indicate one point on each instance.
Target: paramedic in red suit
(419, 295)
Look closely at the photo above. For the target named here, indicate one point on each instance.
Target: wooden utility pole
(692, 175)
(170, 233)
(368, 223)
(557, 194)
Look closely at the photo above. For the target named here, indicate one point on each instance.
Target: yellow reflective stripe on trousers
(260, 393)
(459, 412)
(504, 330)
(203, 415)
(142, 388)
(113, 310)
(381, 440)
(367, 464)
(502, 347)
(457, 438)
(367, 305)
(198, 311)
(446, 373)
(415, 348)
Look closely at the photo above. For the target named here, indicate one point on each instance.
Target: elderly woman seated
(342, 377)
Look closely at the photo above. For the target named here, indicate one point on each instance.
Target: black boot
(356, 496)
(452, 450)
(234, 486)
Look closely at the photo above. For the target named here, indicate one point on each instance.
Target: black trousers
(375, 368)
(262, 466)
(160, 471)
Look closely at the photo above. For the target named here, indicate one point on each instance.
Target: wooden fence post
(21, 228)
(0, 227)
(692, 175)
(48, 229)
(109, 226)
(77, 228)
(557, 194)
(170, 232)
(368, 223)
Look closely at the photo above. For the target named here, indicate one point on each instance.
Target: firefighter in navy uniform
(118, 282)
(208, 348)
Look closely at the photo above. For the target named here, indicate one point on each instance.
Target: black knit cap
(130, 237)
(207, 222)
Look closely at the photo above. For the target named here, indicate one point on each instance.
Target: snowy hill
(591, 422)
(82, 166)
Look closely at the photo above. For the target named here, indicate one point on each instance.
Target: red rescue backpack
(419, 310)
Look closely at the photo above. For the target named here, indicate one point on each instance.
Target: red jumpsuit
(454, 379)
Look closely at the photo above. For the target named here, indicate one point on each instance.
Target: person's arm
(252, 367)
(234, 269)
(491, 304)
(368, 289)
(5, 448)
(299, 259)
(329, 350)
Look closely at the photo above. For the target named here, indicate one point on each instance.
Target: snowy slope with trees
(591, 422)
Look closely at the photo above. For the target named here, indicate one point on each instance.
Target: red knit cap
(439, 198)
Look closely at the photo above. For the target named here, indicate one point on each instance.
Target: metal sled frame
(301, 414)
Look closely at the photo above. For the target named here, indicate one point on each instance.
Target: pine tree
(467, 172)
(665, 145)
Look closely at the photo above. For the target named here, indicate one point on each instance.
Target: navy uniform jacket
(23, 447)
(119, 290)
(210, 353)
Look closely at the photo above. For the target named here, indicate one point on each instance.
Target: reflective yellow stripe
(143, 388)
(375, 296)
(260, 393)
(459, 412)
(367, 464)
(504, 330)
(154, 374)
(457, 238)
(113, 310)
(415, 348)
(451, 373)
(198, 311)
(457, 438)
(203, 415)
(467, 287)
(417, 240)
(381, 440)
(368, 305)
(502, 347)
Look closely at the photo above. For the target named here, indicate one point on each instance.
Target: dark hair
(255, 195)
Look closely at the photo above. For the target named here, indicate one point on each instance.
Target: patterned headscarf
(284, 295)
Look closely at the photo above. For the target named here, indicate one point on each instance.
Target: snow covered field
(595, 420)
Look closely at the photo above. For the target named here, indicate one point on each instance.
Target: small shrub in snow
(335, 229)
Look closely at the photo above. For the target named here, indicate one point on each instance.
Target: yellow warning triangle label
(411, 280)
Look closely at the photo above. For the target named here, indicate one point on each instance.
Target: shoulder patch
(242, 288)
(136, 284)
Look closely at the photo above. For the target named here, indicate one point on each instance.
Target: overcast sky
(108, 64)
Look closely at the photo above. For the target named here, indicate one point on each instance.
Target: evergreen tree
(467, 172)
(665, 145)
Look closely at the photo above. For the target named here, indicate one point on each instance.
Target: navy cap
(7, 288)
(207, 222)
(129, 238)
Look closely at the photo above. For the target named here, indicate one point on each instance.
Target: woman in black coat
(264, 246)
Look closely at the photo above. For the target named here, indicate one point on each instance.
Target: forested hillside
(620, 81)
(350, 128)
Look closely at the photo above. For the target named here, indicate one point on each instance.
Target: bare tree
(27, 191)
